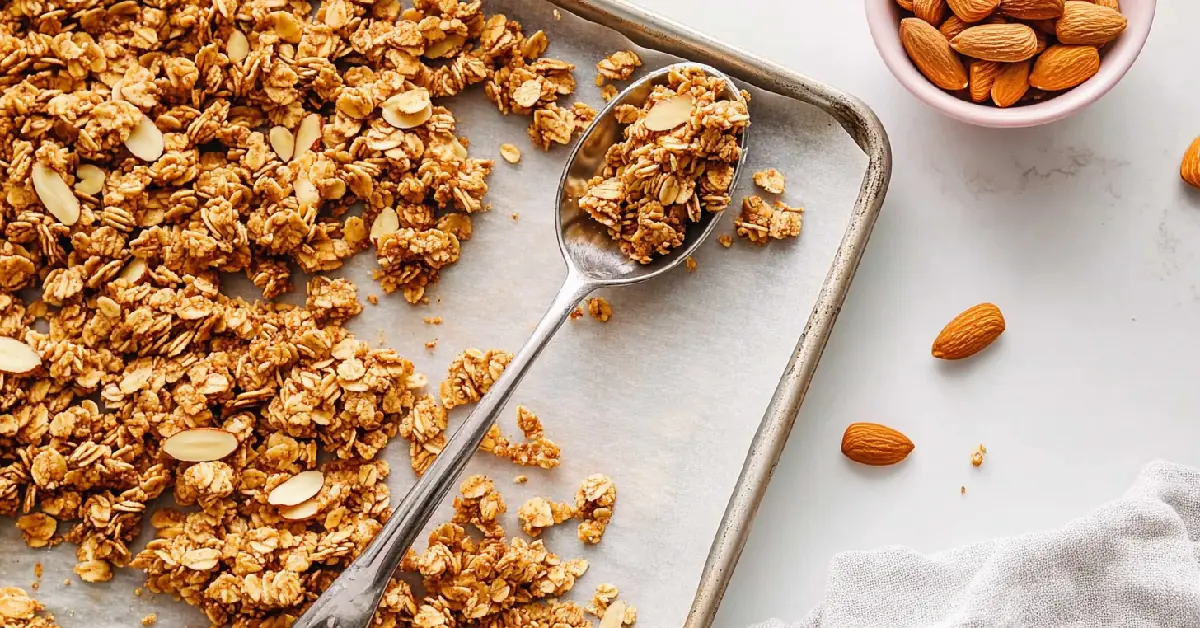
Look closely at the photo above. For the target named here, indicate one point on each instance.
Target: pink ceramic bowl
(883, 18)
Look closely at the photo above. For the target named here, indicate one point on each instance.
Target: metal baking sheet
(685, 398)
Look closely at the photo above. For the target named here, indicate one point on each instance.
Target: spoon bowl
(584, 243)
(593, 260)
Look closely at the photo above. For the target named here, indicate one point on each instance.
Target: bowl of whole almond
(1009, 63)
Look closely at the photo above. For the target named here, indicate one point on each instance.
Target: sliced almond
(200, 444)
(460, 151)
(386, 222)
(288, 27)
(412, 101)
(441, 48)
(510, 153)
(299, 488)
(134, 270)
(306, 193)
(670, 113)
(89, 179)
(237, 47)
(614, 616)
(282, 142)
(528, 93)
(17, 357)
(59, 200)
(307, 135)
(303, 510)
(405, 121)
(146, 141)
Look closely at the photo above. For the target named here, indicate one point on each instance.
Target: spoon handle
(351, 600)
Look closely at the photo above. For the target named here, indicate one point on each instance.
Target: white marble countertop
(1080, 231)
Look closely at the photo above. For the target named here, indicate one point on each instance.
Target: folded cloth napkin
(1135, 562)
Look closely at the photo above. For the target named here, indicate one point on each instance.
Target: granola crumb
(604, 595)
(431, 345)
(515, 216)
(510, 153)
(576, 313)
(521, 479)
(137, 592)
(537, 450)
(670, 167)
(66, 582)
(758, 222)
(618, 66)
(150, 620)
(770, 180)
(609, 92)
(373, 299)
(690, 263)
(38, 570)
(962, 490)
(36, 585)
(725, 240)
(594, 503)
(977, 456)
(557, 15)
(470, 375)
(538, 514)
(600, 309)
(432, 320)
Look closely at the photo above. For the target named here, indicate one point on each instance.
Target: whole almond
(973, 10)
(953, 26)
(907, 5)
(1089, 24)
(1006, 43)
(969, 332)
(1032, 9)
(932, 55)
(932, 11)
(981, 75)
(1189, 168)
(1063, 67)
(874, 444)
(1011, 83)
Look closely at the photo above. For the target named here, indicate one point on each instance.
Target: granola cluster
(18, 610)
(677, 159)
(760, 222)
(537, 450)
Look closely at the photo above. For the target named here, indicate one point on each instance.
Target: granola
(537, 450)
(18, 610)
(770, 180)
(471, 375)
(759, 222)
(677, 159)
(539, 513)
(600, 309)
(594, 503)
(618, 66)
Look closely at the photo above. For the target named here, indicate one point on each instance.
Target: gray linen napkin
(1134, 562)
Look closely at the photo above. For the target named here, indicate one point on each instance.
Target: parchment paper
(664, 398)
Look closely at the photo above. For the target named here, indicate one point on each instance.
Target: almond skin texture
(1112, 4)
(1011, 83)
(932, 11)
(1084, 23)
(907, 5)
(1032, 9)
(1063, 67)
(983, 76)
(1189, 168)
(932, 55)
(969, 332)
(1006, 43)
(953, 26)
(874, 444)
(973, 10)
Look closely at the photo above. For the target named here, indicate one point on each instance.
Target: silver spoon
(593, 261)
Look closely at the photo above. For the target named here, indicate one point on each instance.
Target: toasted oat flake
(299, 488)
(17, 357)
(770, 180)
(200, 444)
(600, 309)
(510, 153)
(145, 141)
(89, 179)
(58, 199)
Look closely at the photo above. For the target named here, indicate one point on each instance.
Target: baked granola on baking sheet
(199, 197)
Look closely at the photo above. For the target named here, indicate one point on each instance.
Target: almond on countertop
(969, 332)
(874, 444)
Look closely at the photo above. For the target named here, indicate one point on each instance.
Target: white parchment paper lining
(664, 398)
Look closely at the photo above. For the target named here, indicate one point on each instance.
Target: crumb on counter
(432, 344)
(609, 92)
(515, 216)
(576, 313)
(510, 153)
(600, 309)
(373, 299)
(150, 620)
(725, 240)
(521, 479)
(432, 320)
(690, 263)
(770, 180)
